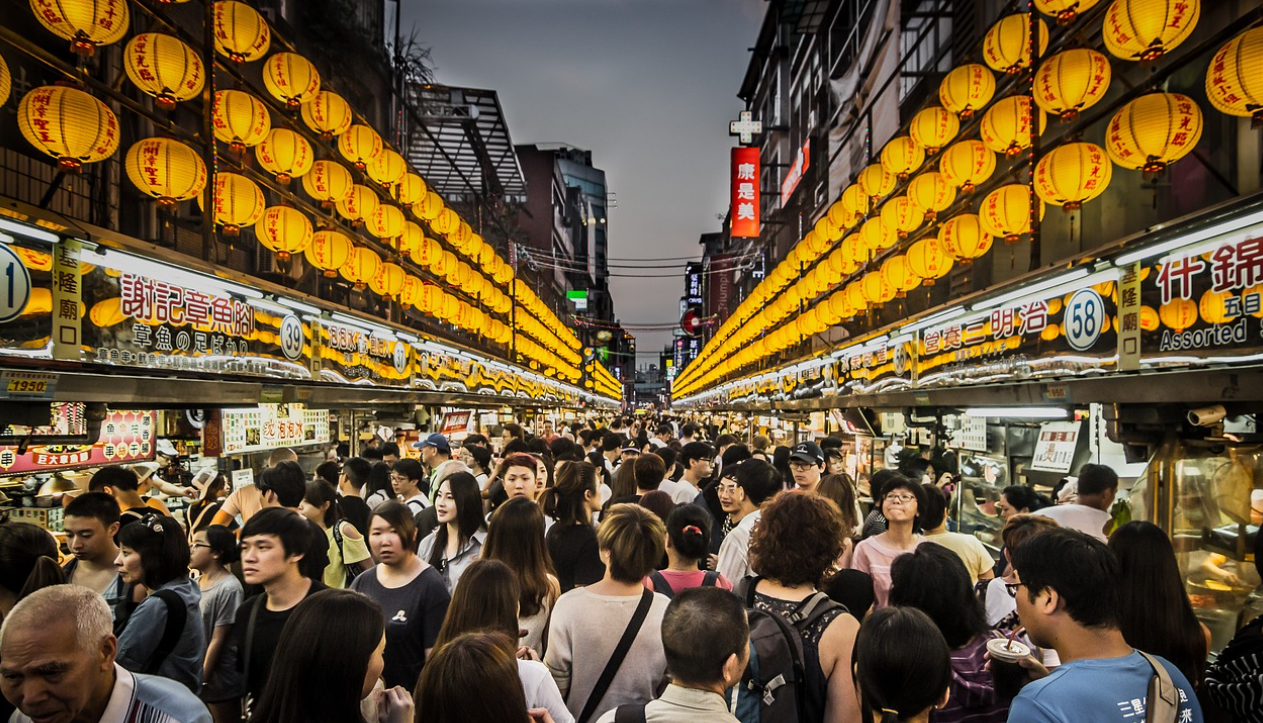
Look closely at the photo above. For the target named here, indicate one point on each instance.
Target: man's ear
(942, 702)
(108, 651)
(733, 669)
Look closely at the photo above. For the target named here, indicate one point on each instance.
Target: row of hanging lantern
(1146, 134)
(74, 127)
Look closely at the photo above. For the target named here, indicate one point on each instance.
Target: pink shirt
(874, 558)
(684, 580)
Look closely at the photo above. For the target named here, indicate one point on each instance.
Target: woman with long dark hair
(320, 672)
(408, 588)
(154, 552)
(486, 600)
(1155, 614)
(933, 579)
(688, 543)
(347, 551)
(461, 534)
(902, 666)
(516, 538)
(472, 679)
(379, 488)
(201, 512)
(571, 540)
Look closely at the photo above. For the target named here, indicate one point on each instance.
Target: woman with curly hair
(798, 538)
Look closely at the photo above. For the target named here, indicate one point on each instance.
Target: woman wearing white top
(517, 538)
(459, 538)
(486, 600)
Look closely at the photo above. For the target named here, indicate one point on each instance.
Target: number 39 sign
(15, 285)
(1085, 317)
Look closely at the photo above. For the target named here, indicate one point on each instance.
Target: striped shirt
(138, 698)
(972, 698)
(1235, 680)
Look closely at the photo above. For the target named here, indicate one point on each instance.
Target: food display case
(1208, 495)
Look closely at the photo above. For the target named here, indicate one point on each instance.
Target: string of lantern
(72, 126)
(868, 224)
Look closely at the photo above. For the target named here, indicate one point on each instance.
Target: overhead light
(268, 305)
(1018, 412)
(299, 306)
(932, 320)
(31, 232)
(1045, 285)
(1241, 224)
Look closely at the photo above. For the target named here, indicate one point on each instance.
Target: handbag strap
(1162, 703)
(259, 602)
(177, 616)
(616, 659)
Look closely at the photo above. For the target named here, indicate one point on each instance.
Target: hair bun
(692, 529)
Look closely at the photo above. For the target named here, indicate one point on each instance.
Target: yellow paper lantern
(826, 230)
(856, 202)
(902, 156)
(284, 230)
(285, 154)
(430, 300)
(1214, 307)
(875, 289)
(359, 145)
(361, 267)
(928, 260)
(241, 33)
(842, 263)
(240, 119)
(291, 79)
(329, 251)
(1178, 314)
(328, 114)
(451, 305)
(425, 252)
(854, 251)
(387, 168)
(896, 273)
(1006, 212)
(1006, 126)
(446, 222)
(1232, 82)
(409, 190)
(963, 238)
(1050, 332)
(389, 280)
(876, 235)
(1071, 81)
(411, 237)
(1006, 47)
(460, 236)
(1072, 174)
(6, 81)
(328, 182)
(69, 125)
(934, 128)
(164, 67)
(1153, 131)
(359, 204)
(839, 305)
(1149, 319)
(966, 164)
(442, 263)
(85, 23)
(841, 217)
(429, 208)
(238, 202)
(855, 296)
(385, 222)
(931, 193)
(967, 89)
(410, 294)
(166, 170)
(1064, 10)
(902, 215)
(1146, 29)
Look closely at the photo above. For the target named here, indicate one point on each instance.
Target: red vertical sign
(745, 192)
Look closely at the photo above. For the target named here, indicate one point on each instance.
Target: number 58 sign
(1085, 317)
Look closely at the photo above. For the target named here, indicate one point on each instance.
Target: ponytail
(688, 527)
(28, 559)
(45, 574)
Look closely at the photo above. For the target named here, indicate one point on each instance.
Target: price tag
(15, 285)
(1085, 317)
(23, 385)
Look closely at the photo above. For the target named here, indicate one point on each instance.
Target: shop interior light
(1018, 412)
(299, 306)
(1185, 243)
(1037, 288)
(31, 232)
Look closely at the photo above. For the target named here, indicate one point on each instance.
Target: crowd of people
(632, 572)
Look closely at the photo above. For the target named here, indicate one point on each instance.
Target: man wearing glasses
(1067, 597)
(806, 464)
(406, 478)
(742, 491)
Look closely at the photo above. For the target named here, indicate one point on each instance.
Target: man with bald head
(57, 650)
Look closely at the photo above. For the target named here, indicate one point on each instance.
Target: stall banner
(457, 373)
(126, 437)
(1203, 308)
(456, 423)
(355, 356)
(1070, 335)
(1054, 450)
(885, 368)
(267, 427)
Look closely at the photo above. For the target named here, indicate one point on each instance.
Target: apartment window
(927, 34)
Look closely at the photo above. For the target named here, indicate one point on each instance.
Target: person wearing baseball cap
(806, 464)
(435, 452)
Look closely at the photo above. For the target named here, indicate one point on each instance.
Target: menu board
(126, 436)
(267, 427)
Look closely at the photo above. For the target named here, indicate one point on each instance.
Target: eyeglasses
(801, 466)
(901, 499)
(1011, 588)
(201, 544)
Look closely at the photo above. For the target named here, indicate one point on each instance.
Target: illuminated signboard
(802, 161)
(358, 356)
(126, 437)
(267, 427)
(745, 193)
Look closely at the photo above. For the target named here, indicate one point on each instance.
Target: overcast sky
(647, 85)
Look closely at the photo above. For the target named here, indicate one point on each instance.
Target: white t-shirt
(686, 493)
(1087, 520)
(541, 691)
(416, 503)
(671, 487)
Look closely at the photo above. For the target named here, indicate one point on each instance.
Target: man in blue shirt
(1067, 597)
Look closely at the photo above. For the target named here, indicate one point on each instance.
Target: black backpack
(660, 584)
(773, 687)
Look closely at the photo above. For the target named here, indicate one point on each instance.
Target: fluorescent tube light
(932, 320)
(1018, 412)
(1189, 239)
(1033, 289)
(31, 232)
(271, 306)
(299, 306)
